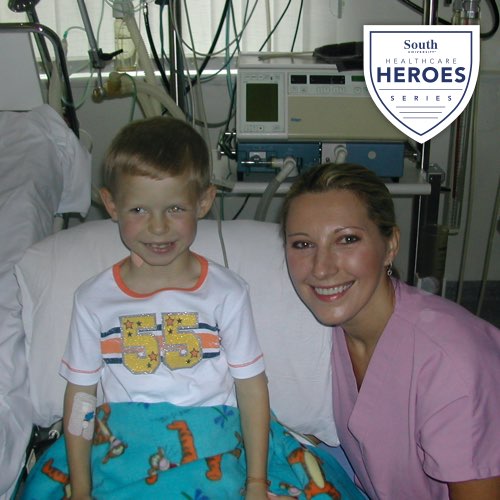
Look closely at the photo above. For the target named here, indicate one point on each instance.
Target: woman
(416, 377)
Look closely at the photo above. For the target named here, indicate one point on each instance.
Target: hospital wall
(103, 120)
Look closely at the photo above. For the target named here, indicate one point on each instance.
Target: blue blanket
(165, 451)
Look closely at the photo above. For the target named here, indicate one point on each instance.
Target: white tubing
(340, 154)
(162, 97)
(144, 60)
(289, 168)
(118, 86)
(145, 103)
(268, 24)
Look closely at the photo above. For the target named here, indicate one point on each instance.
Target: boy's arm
(253, 403)
(78, 447)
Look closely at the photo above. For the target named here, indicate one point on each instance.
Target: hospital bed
(296, 347)
(48, 173)
(44, 172)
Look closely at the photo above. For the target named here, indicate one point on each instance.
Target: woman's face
(337, 258)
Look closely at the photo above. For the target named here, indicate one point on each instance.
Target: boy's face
(157, 217)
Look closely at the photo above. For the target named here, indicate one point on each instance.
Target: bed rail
(41, 33)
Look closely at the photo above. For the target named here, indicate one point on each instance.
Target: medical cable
(484, 36)
(470, 199)
(134, 95)
(86, 91)
(299, 18)
(152, 47)
(215, 39)
(237, 38)
(276, 24)
(496, 20)
(484, 279)
(237, 214)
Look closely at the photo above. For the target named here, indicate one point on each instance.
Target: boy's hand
(272, 496)
(256, 491)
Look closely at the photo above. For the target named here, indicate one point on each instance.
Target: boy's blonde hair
(155, 148)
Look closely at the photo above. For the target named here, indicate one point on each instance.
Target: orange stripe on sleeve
(111, 346)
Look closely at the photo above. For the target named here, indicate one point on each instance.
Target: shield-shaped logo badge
(421, 77)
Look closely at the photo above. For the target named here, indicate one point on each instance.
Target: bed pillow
(70, 156)
(296, 347)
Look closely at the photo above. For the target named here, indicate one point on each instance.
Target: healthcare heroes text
(410, 70)
(420, 77)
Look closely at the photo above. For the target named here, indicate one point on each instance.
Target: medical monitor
(300, 99)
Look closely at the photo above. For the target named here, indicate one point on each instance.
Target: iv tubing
(55, 96)
(472, 183)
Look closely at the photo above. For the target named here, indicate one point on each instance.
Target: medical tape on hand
(82, 418)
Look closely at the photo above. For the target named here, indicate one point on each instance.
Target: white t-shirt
(183, 346)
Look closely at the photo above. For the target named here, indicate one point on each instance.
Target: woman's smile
(333, 292)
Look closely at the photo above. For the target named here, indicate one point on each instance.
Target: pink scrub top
(428, 411)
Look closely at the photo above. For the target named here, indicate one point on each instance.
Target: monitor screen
(262, 102)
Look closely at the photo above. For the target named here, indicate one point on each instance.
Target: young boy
(164, 324)
(165, 341)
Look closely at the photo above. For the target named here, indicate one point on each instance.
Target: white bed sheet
(44, 170)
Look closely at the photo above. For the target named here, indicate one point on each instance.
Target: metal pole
(95, 54)
(430, 17)
(175, 50)
(430, 12)
(29, 8)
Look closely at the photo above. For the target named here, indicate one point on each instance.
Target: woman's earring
(389, 269)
